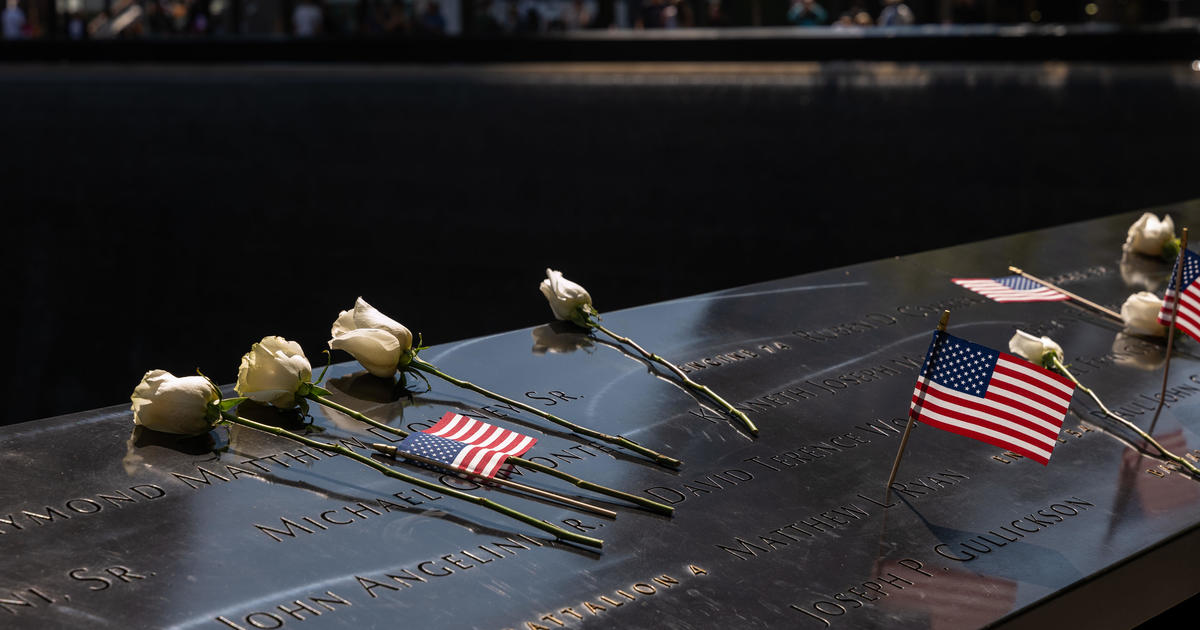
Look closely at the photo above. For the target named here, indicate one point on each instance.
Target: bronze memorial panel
(100, 527)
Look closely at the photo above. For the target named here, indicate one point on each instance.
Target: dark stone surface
(204, 207)
(1120, 548)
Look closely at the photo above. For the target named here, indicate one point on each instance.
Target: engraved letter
(941, 551)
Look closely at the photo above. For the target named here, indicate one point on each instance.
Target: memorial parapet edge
(102, 528)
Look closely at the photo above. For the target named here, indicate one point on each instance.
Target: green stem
(658, 458)
(524, 463)
(1131, 426)
(704, 389)
(416, 481)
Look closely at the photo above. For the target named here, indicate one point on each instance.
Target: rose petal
(377, 350)
(163, 402)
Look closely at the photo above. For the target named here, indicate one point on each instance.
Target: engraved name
(297, 610)
(30, 598)
(608, 603)
(861, 594)
(810, 388)
(1148, 403)
(739, 355)
(342, 516)
(830, 521)
(34, 518)
(401, 579)
(1013, 531)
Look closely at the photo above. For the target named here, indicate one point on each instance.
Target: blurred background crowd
(101, 19)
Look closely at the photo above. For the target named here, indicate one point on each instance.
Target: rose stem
(658, 458)
(524, 463)
(678, 372)
(416, 481)
(1133, 427)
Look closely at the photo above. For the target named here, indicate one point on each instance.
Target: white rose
(380, 343)
(1148, 235)
(568, 300)
(272, 372)
(1034, 349)
(1140, 314)
(166, 403)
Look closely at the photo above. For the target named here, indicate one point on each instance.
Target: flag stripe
(1014, 433)
(1006, 409)
(1183, 298)
(1016, 406)
(984, 434)
(1036, 374)
(1010, 289)
(471, 446)
(1000, 413)
(1021, 393)
(1186, 320)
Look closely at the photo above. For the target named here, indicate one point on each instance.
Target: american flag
(1006, 401)
(467, 445)
(1010, 289)
(1188, 319)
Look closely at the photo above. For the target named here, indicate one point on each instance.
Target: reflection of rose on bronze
(1137, 353)
(287, 419)
(140, 437)
(1141, 272)
(368, 387)
(560, 338)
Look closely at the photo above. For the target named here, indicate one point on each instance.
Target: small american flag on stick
(991, 396)
(467, 445)
(1188, 317)
(1010, 289)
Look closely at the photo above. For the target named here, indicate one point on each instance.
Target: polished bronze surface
(102, 526)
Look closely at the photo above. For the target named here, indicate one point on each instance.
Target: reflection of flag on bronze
(954, 599)
(1188, 318)
(993, 397)
(466, 444)
(1010, 289)
(1157, 495)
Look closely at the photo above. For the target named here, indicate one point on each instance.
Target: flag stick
(1171, 329)
(395, 452)
(887, 490)
(1111, 313)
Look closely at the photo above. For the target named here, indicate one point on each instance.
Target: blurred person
(308, 20)
(157, 20)
(895, 13)
(530, 21)
(670, 14)
(715, 16)
(76, 27)
(577, 15)
(807, 13)
(678, 14)
(483, 21)
(432, 22)
(200, 17)
(13, 19)
(395, 22)
(651, 14)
